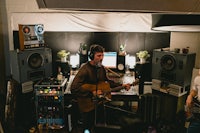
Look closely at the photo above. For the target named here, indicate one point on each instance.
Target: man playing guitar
(91, 82)
(192, 104)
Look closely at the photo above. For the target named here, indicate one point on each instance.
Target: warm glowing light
(74, 60)
(130, 61)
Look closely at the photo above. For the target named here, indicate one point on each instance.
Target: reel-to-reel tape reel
(31, 36)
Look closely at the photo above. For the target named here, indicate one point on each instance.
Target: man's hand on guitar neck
(128, 86)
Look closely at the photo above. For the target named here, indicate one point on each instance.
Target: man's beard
(98, 64)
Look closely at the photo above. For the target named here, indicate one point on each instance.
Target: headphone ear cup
(91, 55)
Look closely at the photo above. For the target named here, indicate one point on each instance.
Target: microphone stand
(96, 97)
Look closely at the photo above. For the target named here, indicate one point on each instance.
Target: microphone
(104, 98)
(98, 64)
(101, 98)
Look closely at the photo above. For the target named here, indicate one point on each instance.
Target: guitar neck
(135, 83)
(196, 102)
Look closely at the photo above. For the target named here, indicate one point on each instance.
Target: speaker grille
(35, 60)
(168, 62)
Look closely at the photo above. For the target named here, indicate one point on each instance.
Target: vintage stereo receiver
(31, 36)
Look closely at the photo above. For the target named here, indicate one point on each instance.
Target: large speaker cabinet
(175, 68)
(31, 65)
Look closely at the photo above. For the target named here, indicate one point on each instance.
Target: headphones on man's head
(93, 49)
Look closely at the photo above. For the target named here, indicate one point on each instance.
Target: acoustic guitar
(87, 104)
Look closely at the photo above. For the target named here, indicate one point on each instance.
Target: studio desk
(121, 103)
(115, 96)
(124, 96)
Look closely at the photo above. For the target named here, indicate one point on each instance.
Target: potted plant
(143, 55)
(122, 49)
(63, 54)
(83, 48)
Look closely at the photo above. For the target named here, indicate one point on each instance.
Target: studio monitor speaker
(31, 36)
(83, 59)
(173, 67)
(143, 71)
(31, 65)
(121, 63)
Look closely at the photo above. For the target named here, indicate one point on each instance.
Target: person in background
(194, 126)
(90, 84)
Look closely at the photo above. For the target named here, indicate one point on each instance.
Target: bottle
(185, 50)
(60, 75)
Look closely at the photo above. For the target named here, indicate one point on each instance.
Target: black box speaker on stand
(143, 70)
(83, 59)
(65, 68)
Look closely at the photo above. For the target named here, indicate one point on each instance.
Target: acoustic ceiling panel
(184, 6)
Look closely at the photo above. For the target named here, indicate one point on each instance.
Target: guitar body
(196, 108)
(194, 111)
(86, 104)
